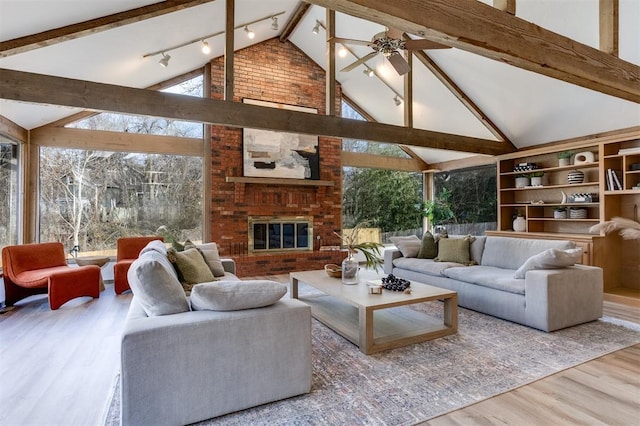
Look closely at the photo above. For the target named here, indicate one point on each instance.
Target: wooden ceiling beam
(93, 26)
(294, 21)
(609, 17)
(12, 130)
(373, 161)
(508, 6)
(46, 89)
(478, 28)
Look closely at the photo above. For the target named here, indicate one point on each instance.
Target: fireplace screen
(281, 233)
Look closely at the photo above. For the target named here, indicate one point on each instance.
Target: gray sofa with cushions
(546, 299)
(190, 366)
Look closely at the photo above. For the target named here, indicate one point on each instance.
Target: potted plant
(438, 210)
(564, 157)
(522, 181)
(536, 178)
(370, 250)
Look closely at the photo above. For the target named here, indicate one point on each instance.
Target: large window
(88, 199)
(9, 184)
(469, 198)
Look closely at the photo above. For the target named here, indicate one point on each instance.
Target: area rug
(404, 386)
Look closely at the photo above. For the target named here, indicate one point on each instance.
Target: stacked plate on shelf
(577, 213)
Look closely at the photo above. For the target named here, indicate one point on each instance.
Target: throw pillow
(188, 245)
(550, 259)
(157, 290)
(190, 265)
(428, 248)
(454, 250)
(236, 295)
(212, 257)
(408, 246)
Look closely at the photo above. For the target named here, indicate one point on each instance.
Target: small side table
(93, 260)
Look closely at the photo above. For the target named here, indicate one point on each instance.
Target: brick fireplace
(276, 72)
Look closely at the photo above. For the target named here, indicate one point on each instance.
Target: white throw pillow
(155, 287)
(409, 246)
(235, 295)
(549, 259)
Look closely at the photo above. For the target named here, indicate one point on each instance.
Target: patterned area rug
(487, 356)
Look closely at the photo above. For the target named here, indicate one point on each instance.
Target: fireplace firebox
(280, 233)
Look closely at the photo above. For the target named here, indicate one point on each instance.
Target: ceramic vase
(536, 181)
(519, 224)
(350, 270)
(563, 162)
(575, 176)
(522, 182)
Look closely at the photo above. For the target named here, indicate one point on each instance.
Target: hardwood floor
(58, 367)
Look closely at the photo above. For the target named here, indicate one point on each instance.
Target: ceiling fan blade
(399, 63)
(349, 41)
(394, 33)
(359, 62)
(423, 44)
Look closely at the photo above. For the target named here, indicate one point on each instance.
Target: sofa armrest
(229, 265)
(560, 298)
(389, 255)
(223, 361)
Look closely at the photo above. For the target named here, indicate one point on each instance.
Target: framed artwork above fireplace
(272, 154)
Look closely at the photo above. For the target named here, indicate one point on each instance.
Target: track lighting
(274, 23)
(397, 100)
(368, 72)
(249, 32)
(165, 60)
(205, 48)
(316, 29)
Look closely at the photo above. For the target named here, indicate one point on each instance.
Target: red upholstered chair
(127, 250)
(42, 268)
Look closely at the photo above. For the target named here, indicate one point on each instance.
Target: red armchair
(42, 268)
(127, 250)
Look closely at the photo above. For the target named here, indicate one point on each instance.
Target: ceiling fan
(389, 43)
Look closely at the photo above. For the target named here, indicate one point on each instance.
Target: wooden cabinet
(559, 209)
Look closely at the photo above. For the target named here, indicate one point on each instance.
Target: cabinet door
(587, 252)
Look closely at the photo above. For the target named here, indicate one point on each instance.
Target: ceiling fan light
(368, 72)
(316, 28)
(249, 32)
(164, 61)
(274, 23)
(205, 48)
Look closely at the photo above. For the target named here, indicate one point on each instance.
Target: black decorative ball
(394, 283)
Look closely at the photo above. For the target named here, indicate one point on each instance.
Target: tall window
(9, 184)
(469, 198)
(389, 199)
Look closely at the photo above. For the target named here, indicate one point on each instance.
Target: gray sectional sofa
(548, 299)
(190, 366)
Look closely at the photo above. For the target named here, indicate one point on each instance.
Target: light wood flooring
(58, 368)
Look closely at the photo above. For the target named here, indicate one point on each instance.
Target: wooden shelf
(623, 192)
(279, 181)
(552, 219)
(543, 235)
(568, 185)
(593, 165)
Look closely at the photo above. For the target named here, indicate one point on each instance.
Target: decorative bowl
(334, 271)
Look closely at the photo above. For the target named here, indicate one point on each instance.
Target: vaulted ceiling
(527, 108)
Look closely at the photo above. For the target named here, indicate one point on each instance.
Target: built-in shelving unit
(598, 201)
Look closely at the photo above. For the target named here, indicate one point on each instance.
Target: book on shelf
(632, 150)
(613, 182)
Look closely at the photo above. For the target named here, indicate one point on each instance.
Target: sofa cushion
(487, 276)
(455, 250)
(409, 245)
(212, 258)
(191, 266)
(549, 259)
(425, 266)
(155, 285)
(236, 295)
(428, 247)
(511, 253)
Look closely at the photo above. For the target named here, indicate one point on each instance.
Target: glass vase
(350, 270)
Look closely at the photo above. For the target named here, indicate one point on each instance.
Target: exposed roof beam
(373, 161)
(45, 89)
(294, 21)
(93, 26)
(609, 11)
(481, 29)
(12, 130)
(444, 78)
(508, 6)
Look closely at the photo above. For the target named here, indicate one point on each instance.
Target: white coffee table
(376, 322)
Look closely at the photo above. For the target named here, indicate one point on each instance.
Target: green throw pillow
(428, 249)
(190, 265)
(454, 250)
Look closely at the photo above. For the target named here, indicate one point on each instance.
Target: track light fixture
(397, 100)
(205, 48)
(368, 72)
(165, 60)
(249, 32)
(316, 29)
(274, 23)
